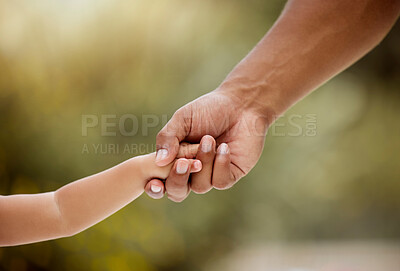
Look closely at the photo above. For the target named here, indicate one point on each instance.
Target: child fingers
(187, 150)
(196, 165)
(222, 178)
(200, 182)
(155, 188)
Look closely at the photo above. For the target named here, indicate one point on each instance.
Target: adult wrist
(252, 98)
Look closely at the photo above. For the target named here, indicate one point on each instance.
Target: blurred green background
(60, 60)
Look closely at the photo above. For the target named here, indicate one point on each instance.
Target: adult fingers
(155, 188)
(177, 185)
(171, 135)
(201, 182)
(222, 177)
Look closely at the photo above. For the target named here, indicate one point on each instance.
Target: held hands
(267, 82)
(239, 134)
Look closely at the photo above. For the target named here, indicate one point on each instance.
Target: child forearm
(28, 218)
(85, 202)
(74, 207)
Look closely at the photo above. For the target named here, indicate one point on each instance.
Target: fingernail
(161, 154)
(223, 149)
(182, 167)
(155, 188)
(197, 164)
(206, 145)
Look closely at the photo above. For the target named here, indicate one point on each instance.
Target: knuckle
(161, 135)
(205, 157)
(178, 181)
(175, 187)
(160, 141)
(166, 133)
(182, 112)
(179, 112)
(182, 115)
(222, 161)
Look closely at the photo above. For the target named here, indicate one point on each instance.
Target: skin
(83, 203)
(311, 42)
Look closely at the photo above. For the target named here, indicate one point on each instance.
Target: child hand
(184, 165)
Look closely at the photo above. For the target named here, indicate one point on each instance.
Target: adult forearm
(310, 43)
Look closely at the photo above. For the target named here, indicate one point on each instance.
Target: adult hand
(239, 133)
(311, 42)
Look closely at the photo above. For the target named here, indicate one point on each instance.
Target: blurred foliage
(60, 60)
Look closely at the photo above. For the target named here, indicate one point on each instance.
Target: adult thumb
(171, 135)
